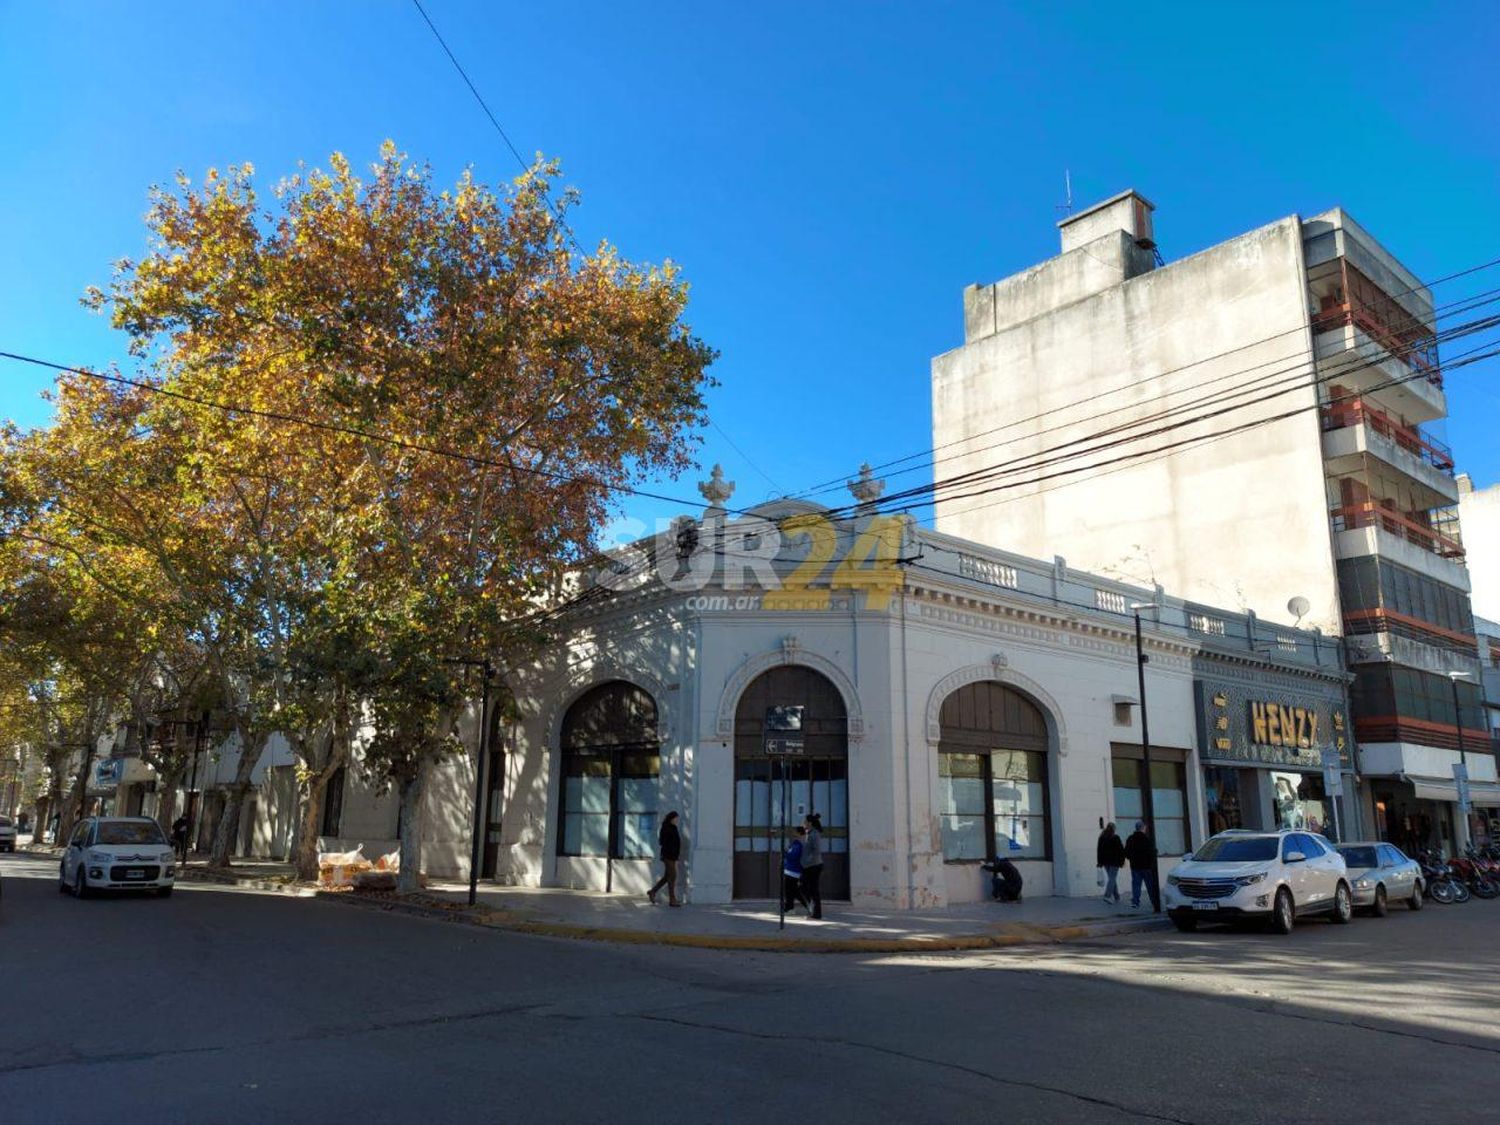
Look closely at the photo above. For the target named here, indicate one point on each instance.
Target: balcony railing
(1358, 302)
(1401, 728)
(1365, 621)
(1413, 531)
(1355, 412)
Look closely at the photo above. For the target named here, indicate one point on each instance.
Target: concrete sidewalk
(593, 915)
(753, 925)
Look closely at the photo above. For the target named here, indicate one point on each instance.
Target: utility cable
(1146, 379)
(556, 210)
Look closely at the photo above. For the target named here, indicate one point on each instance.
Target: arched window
(993, 797)
(611, 759)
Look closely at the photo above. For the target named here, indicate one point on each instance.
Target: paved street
(224, 1005)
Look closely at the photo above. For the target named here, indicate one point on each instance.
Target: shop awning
(1485, 794)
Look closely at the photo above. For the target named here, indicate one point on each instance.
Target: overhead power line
(349, 431)
(1080, 449)
(1348, 364)
(1301, 363)
(1086, 400)
(557, 211)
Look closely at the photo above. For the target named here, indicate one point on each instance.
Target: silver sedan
(1382, 874)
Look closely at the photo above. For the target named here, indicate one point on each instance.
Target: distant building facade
(1245, 426)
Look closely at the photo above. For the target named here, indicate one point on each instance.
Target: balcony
(1369, 529)
(1414, 349)
(1376, 641)
(1400, 728)
(1354, 430)
(1347, 355)
(1413, 530)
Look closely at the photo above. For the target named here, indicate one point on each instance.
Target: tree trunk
(305, 854)
(234, 800)
(226, 835)
(166, 805)
(411, 829)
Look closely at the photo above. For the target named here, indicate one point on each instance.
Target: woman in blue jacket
(791, 874)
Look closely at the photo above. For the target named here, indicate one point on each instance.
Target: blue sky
(830, 176)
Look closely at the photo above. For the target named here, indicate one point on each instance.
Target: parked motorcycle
(1438, 878)
(1472, 873)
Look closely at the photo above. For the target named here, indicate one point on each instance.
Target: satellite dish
(1298, 607)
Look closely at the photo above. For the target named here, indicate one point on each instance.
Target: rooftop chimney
(1129, 211)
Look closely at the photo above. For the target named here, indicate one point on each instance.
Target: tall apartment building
(1246, 426)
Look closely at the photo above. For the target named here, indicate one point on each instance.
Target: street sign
(1333, 783)
(1461, 783)
(783, 737)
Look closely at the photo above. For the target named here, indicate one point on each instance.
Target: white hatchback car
(7, 834)
(1276, 876)
(122, 853)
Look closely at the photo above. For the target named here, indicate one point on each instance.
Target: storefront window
(1300, 801)
(1221, 792)
(993, 804)
(586, 805)
(1168, 799)
(635, 805)
(962, 800)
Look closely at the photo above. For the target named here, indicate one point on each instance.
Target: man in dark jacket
(669, 841)
(1005, 879)
(1141, 852)
(1110, 856)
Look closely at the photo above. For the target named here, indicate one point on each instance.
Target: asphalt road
(222, 1005)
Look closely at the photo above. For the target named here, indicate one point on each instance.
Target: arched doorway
(815, 781)
(611, 761)
(994, 788)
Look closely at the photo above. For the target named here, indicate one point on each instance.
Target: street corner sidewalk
(746, 926)
(630, 919)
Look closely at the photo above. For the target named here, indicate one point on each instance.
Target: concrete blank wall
(1238, 521)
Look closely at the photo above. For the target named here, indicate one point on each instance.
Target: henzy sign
(1274, 724)
(690, 556)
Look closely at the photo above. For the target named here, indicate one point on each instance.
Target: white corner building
(959, 703)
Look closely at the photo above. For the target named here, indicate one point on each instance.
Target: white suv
(1278, 876)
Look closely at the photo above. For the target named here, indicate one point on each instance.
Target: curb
(1003, 936)
(488, 918)
(219, 878)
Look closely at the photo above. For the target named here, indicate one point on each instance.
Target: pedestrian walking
(791, 874)
(1110, 856)
(180, 837)
(812, 862)
(1140, 850)
(669, 845)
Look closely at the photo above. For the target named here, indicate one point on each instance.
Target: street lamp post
(193, 799)
(1148, 805)
(480, 770)
(480, 767)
